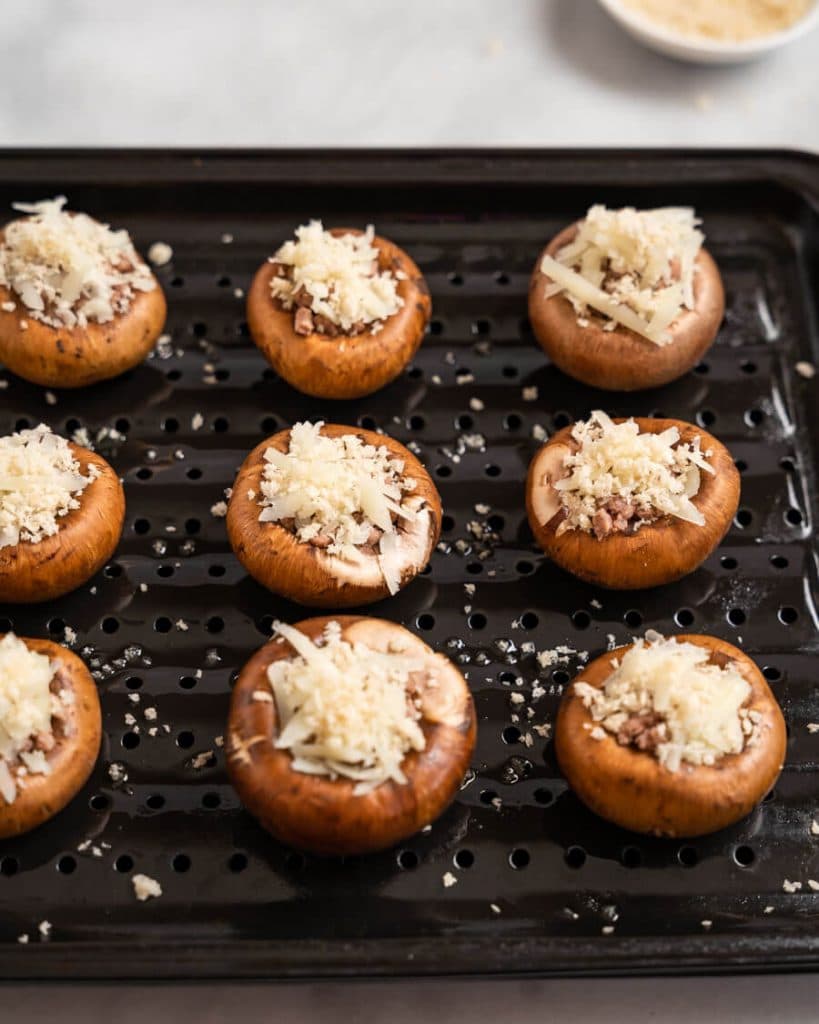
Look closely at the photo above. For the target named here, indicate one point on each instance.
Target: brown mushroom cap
(658, 552)
(73, 757)
(321, 814)
(86, 539)
(621, 360)
(346, 366)
(631, 788)
(73, 357)
(276, 559)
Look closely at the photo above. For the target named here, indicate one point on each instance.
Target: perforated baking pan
(173, 617)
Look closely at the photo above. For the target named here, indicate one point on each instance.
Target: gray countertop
(374, 72)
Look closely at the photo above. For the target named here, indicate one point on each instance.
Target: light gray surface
(792, 1000)
(378, 72)
(375, 72)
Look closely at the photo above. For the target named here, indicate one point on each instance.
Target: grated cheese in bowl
(40, 481)
(26, 709)
(636, 267)
(667, 698)
(346, 709)
(341, 496)
(730, 21)
(621, 478)
(333, 284)
(68, 269)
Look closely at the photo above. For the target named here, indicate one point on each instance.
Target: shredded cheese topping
(26, 708)
(729, 21)
(338, 278)
(68, 269)
(695, 707)
(346, 709)
(40, 481)
(622, 472)
(636, 267)
(339, 495)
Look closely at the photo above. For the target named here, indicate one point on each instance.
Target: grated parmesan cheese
(628, 476)
(636, 267)
(695, 709)
(40, 481)
(68, 269)
(336, 278)
(26, 708)
(341, 496)
(729, 21)
(346, 709)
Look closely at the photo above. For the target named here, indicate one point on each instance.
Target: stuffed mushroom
(61, 513)
(77, 303)
(328, 515)
(627, 299)
(338, 313)
(627, 504)
(673, 737)
(50, 730)
(348, 734)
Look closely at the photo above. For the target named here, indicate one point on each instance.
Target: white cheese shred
(341, 496)
(68, 269)
(346, 709)
(145, 887)
(636, 267)
(40, 481)
(620, 477)
(667, 697)
(338, 278)
(26, 709)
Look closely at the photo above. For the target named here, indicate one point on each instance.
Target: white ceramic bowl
(704, 51)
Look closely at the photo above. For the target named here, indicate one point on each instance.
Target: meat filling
(323, 540)
(616, 515)
(45, 742)
(645, 731)
(306, 322)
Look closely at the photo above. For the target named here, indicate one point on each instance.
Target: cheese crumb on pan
(145, 887)
(346, 709)
(26, 709)
(667, 698)
(341, 496)
(636, 267)
(40, 481)
(336, 281)
(160, 254)
(68, 269)
(729, 21)
(620, 478)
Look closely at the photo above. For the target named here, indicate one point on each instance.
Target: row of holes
(184, 740)
(67, 864)
(518, 858)
(581, 619)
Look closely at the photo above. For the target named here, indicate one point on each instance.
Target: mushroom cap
(346, 366)
(72, 759)
(632, 789)
(621, 360)
(658, 552)
(276, 559)
(321, 814)
(73, 357)
(86, 539)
